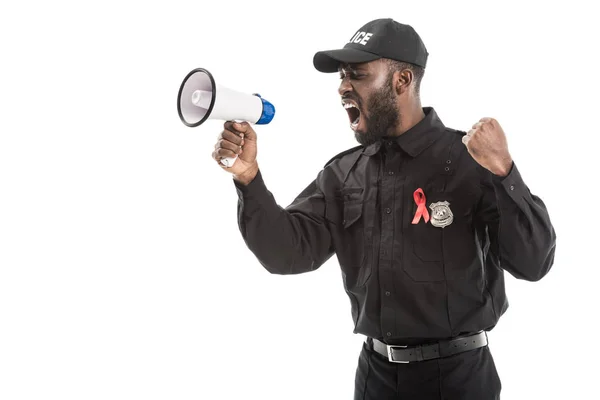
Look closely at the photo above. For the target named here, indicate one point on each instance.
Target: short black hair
(417, 71)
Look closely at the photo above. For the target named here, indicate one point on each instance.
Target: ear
(402, 80)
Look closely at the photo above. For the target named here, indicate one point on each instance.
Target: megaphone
(200, 99)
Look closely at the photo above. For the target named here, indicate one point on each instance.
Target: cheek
(364, 92)
(380, 81)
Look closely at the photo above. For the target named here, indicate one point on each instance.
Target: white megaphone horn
(200, 99)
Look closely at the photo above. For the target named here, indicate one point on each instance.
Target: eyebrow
(350, 67)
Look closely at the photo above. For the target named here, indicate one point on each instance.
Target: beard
(383, 117)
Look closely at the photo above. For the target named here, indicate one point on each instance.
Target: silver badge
(441, 215)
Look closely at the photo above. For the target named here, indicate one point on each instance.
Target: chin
(362, 138)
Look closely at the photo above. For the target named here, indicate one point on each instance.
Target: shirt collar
(417, 138)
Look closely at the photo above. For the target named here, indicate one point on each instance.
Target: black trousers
(470, 375)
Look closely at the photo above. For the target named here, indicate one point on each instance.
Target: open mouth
(353, 113)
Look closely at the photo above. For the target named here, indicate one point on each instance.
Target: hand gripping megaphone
(200, 99)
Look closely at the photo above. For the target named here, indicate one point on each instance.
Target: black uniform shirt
(408, 282)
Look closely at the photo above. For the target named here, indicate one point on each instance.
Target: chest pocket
(447, 238)
(425, 254)
(353, 236)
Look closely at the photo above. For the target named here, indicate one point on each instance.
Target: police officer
(424, 220)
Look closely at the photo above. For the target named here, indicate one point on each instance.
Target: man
(424, 221)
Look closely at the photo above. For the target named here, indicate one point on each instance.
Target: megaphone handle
(228, 161)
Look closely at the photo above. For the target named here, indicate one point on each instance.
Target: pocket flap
(350, 193)
(352, 212)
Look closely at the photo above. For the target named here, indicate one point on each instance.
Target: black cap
(380, 38)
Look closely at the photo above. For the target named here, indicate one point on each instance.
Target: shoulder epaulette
(458, 132)
(343, 153)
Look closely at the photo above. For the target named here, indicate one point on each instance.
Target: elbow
(537, 265)
(287, 266)
(542, 255)
(276, 267)
(280, 269)
(545, 258)
(536, 274)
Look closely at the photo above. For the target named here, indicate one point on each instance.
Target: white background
(122, 271)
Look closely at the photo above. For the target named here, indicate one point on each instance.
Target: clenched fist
(486, 142)
(238, 139)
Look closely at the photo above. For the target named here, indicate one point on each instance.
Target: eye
(351, 75)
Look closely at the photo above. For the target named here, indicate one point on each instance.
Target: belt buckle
(389, 352)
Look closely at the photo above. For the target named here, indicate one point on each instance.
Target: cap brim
(329, 60)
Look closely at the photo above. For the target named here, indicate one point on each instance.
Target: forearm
(526, 239)
(284, 241)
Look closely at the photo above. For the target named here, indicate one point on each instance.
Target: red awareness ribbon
(419, 197)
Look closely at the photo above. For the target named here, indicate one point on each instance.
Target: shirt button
(388, 210)
(387, 293)
(389, 333)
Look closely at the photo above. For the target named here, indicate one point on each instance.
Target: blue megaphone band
(268, 112)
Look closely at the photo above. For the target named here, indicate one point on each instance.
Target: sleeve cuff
(511, 184)
(256, 188)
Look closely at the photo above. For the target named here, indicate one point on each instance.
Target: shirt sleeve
(519, 227)
(289, 240)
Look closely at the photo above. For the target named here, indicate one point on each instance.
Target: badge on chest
(441, 215)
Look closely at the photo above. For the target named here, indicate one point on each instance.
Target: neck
(410, 115)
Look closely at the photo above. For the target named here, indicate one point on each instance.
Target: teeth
(353, 124)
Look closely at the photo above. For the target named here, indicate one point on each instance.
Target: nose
(344, 86)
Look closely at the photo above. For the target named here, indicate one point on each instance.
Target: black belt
(444, 348)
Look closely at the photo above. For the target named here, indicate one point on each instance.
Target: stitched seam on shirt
(446, 285)
(445, 183)
(485, 267)
(440, 379)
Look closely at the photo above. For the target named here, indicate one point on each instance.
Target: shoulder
(344, 154)
(462, 153)
(455, 131)
(455, 137)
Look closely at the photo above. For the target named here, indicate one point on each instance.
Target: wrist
(248, 175)
(503, 168)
